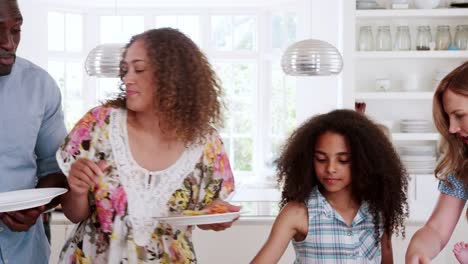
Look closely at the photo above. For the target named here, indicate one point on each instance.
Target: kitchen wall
(317, 95)
(33, 32)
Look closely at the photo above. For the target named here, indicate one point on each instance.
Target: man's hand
(220, 226)
(21, 220)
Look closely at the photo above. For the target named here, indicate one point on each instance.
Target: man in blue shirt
(31, 130)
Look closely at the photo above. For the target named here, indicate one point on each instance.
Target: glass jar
(384, 39)
(461, 37)
(366, 40)
(403, 38)
(424, 38)
(443, 37)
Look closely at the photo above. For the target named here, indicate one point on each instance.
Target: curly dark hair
(378, 176)
(188, 92)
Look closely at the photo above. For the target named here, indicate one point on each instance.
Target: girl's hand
(220, 226)
(83, 174)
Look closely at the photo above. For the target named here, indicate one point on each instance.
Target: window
(65, 48)
(115, 29)
(239, 82)
(284, 29)
(260, 99)
(188, 24)
(119, 29)
(229, 33)
(244, 46)
(65, 32)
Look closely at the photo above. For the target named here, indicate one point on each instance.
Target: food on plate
(193, 212)
(216, 209)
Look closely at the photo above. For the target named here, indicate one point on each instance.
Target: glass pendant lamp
(311, 57)
(104, 60)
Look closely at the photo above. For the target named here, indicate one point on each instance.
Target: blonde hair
(453, 151)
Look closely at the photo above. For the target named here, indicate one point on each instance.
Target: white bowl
(426, 4)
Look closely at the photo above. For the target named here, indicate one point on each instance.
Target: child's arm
(387, 250)
(429, 240)
(291, 222)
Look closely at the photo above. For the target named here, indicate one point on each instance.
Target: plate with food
(28, 198)
(216, 214)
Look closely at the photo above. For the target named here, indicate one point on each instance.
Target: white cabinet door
(423, 194)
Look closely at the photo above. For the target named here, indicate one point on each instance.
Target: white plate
(421, 171)
(416, 153)
(29, 198)
(415, 125)
(415, 122)
(418, 147)
(418, 158)
(427, 130)
(367, 5)
(199, 219)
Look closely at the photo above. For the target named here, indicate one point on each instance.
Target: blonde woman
(450, 112)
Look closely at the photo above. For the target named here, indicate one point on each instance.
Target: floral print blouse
(122, 227)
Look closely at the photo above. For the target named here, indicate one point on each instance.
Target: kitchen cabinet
(404, 104)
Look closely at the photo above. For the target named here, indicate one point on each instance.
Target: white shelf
(394, 95)
(417, 54)
(414, 136)
(424, 175)
(412, 13)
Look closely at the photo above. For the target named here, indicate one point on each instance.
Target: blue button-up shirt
(31, 130)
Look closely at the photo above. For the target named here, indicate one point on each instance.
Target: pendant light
(311, 57)
(104, 60)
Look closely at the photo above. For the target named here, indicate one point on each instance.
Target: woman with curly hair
(151, 152)
(343, 193)
(450, 113)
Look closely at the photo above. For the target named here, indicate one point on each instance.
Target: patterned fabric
(458, 189)
(330, 240)
(121, 228)
(31, 131)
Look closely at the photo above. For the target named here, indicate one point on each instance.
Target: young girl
(450, 112)
(344, 193)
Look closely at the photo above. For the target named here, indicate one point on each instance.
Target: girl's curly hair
(378, 176)
(188, 92)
